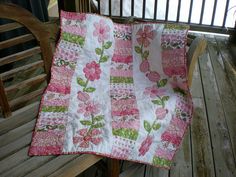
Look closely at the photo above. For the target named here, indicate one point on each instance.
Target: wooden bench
(21, 88)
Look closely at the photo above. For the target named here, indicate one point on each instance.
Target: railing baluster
(190, 11)
(99, 7)
(214, 13)
(132, 8)
(155, 10)
(167, 10)
(121, 8)
(144, 8)
(110, 8)
(202, 11)
(226, 11)
(178, 11)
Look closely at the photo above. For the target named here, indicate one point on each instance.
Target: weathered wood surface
(28, 67)
(228, 98)
(15, 41)
(221, 145)
(9, 27)
(182, 160)
(19, 56)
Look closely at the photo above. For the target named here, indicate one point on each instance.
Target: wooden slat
(19, 56)
(203, 164)
(28, 67)
(3, 101)
(76, 166)
(196, 88)
(19, 117)
(222, 150)
(25, 83)
(227, 96)
(27, 166)
(196, 48)
(52, 166)
(183, 159)
(16, 133)
(15, 41)
(15, 145)
(156, 172)
(24, 98)
(113, 167)
(132, 170)
(14, 160)
(9, 27)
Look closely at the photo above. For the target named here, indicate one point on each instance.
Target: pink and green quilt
(116, 90)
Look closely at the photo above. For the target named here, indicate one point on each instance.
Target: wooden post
(3, 101)
(113, 168)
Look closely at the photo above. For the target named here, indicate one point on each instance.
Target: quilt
(116, 90)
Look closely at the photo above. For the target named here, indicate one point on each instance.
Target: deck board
(183, 159)
(227, 96)
(222, 150)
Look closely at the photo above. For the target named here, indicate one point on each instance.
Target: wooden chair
(19, 100)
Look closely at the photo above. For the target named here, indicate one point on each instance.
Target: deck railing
(202, 15)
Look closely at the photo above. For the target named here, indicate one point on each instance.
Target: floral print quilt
(116, 90)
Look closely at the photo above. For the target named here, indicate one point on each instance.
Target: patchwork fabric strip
(116, 90)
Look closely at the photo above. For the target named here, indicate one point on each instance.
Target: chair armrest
(196, 49)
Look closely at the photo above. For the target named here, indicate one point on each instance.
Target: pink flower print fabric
(116, 90)
(92, 71)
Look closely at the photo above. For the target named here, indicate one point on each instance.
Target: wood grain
(16, 133)
(222, 150)
(76, 166)
(28, 67)
(13, 160)
(19, 56)
(15, 145)
(29, 82)
(182, 164)
(19, 117)
(27, 166)
(4, 101)
(9, 27)
(228, 98)
(15, 41)
(52, 166)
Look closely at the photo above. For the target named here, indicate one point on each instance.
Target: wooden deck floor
(209, 148)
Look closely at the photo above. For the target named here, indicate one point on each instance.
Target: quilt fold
(116, 90)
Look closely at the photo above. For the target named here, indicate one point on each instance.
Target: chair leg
(113, 168)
